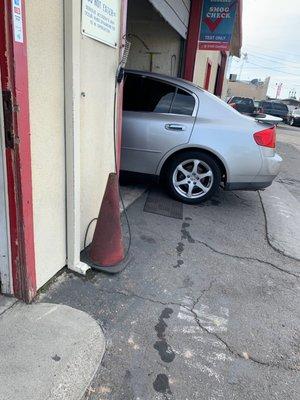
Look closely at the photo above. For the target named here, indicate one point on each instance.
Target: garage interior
(157, 31)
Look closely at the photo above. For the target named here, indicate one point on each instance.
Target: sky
(271, 39)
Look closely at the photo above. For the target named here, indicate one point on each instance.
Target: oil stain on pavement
(164, 349)
(185, 236)
(161, 384)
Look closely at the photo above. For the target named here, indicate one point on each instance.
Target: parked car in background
(244, 105)
(294, 117)
(275, 108)
(192, 140)
(257, 106)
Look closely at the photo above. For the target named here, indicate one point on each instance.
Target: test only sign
(217, 22)
(18, 20)
(101, 20)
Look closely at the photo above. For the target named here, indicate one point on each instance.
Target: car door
(157, 117)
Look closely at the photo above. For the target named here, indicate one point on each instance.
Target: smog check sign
(100, 20)
(217, 22)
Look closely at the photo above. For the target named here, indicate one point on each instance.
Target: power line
(277, 51)
(278, 60)
(273, 69)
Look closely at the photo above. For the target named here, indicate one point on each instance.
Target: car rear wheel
(292, 121)
(193, 177)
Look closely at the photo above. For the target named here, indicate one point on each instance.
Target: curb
(282, 212)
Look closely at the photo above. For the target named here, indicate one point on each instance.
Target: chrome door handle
(175, 127)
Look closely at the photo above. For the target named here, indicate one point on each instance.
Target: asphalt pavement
(206, 308)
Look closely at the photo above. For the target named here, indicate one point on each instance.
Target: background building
(255, 89)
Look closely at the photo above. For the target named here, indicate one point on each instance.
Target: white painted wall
(98, 65)
(200, 67)
(46, 101)
(145, 22)
(97, 74)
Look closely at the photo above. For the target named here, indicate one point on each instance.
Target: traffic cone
(106, 251)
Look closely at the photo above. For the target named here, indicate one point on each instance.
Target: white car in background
(294, 118)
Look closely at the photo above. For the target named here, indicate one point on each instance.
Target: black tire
(212, 184)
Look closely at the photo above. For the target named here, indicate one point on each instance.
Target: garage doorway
(157, 32)
(207, 75)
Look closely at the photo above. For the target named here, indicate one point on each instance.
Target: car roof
(274, 102)
(174, 80)
(241, 97)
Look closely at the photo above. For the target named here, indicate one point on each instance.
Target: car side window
(266, 104)
(184, 103)
(147, 95)
(132, 92)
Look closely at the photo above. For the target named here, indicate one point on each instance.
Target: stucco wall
(200, 67)
(147, 25)
(46, 100)
(246, 89)
(98, 65)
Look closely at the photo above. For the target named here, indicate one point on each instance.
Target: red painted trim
(14, 71)
(221, 75)
(121, 85)
(207, 74)
(240, 20)
(192, 39)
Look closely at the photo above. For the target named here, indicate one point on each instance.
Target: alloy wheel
(192, 178)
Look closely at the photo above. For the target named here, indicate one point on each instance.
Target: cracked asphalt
(206, 308)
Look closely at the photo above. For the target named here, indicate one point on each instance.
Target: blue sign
(217, 22)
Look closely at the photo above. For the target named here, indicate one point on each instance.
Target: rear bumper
(268, 172)
(248, 185)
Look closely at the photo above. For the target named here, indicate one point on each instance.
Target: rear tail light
(266, 138)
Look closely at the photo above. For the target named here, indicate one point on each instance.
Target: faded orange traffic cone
(106, 250)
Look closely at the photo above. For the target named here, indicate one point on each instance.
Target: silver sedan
(193, 140)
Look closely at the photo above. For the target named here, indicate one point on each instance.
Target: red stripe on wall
(192, 39)
(14, 71)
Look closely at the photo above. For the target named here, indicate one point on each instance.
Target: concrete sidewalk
(47, 352)
(282, 211)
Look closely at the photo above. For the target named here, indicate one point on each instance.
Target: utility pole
(244, 59)
(278, 91)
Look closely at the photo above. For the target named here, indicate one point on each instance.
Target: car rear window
(244, 101)
(184, 103)
(280, 107)
(267, 104)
